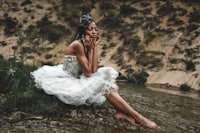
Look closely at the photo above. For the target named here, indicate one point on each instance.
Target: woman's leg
(121, 115)
(118, 102)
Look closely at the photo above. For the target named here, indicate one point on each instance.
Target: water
(173, 111)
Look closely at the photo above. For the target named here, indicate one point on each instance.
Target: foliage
(111, 21)
(137, 77)
(194, 17)
(149, 37)
(166, 9)
(185, 87)
(26, 2)
(190, 65)
(50, 31)
(106, 6)
(148, 58)
(127, 10)
(192, 27)
(12, 26)
(21, 94)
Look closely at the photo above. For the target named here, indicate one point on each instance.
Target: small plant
(127, 10)
(12, 26)
(173, 61)
(166, 10)
(111, 21)
(106, 6)
(185, 87)
(137, 77)
(190, 65)
(194, 17)
(192, 27)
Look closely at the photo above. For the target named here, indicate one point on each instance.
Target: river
(174, 111)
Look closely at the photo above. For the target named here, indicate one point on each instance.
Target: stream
(173, 110)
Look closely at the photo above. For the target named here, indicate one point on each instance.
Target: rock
(16, 116)
(55, 123)
(132, 128)
(73, 113)
(36, 117)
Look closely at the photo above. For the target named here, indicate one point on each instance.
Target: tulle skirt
(76, 91)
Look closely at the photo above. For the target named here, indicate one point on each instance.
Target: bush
(192, 27)
(21, 94)
(194, 17)
(127, 10)
(185, 87)
(47, 30)
(166, 10)
(190, 65)
(26, 2)
(112, 21)
(106, 6)
(147, 58)
(11, 26)
(137, 77)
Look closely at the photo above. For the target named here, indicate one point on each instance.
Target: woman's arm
(95, 54)
(95, 59)
(85, 62)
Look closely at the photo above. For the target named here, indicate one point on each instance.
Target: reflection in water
(173, 111)
(176, 92)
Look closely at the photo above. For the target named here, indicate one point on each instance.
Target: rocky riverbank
(90, 119)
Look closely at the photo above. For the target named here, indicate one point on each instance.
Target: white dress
(71, 86)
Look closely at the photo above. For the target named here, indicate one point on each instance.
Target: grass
(20, 92)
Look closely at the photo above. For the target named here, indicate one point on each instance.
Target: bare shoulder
(74, 48)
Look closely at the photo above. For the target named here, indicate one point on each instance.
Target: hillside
(159, 37)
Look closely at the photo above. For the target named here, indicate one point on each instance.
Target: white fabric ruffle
(55, 80)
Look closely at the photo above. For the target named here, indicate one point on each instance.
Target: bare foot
(120, 115)
(148, 123)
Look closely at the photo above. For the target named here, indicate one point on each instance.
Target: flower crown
(86, 19)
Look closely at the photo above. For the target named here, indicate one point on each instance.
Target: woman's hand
(89, 42)
(97, 40)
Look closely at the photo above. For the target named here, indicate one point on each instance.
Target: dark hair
(85, 20)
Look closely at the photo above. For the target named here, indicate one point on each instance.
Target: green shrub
(189, 52)
(26, 2)
(111, 21)
(194, 17)
(21, 94)
(185, 87)
(137, 77)
(12, 26)
(147, 58)
(149, 37)
(127, 10)
(166, 10)
(190, 65)
(173, 60)
(175, 21)
(106, 6)
(192, 27)
(47, 30)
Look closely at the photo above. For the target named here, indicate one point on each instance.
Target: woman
(79, 81)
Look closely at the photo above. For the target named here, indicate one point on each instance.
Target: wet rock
(132, 128)
(16, 116)
(36, 118)
(55, 123)
(73, 113)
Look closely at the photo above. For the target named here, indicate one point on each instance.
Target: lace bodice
(71, 66)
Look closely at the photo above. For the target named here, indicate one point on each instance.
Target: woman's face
(92, 30)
